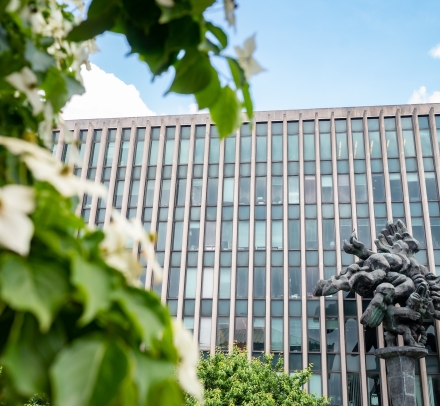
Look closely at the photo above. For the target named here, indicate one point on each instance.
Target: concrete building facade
(247, 226)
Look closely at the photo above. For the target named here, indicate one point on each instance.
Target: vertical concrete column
(363, 367)
(202, 233)
(320, 258)
(171, 204)
(186, 222)
(268, 234)
(251, 236)
(144, 167)
(286, 347)
(218, 229)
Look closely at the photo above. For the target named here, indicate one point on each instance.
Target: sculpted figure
(403, 289)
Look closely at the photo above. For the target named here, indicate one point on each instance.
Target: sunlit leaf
(226, 113)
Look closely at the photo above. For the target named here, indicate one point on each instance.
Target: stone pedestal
(400, 362)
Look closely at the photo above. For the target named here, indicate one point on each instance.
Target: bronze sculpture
(404, 290)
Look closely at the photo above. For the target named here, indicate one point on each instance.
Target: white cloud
(106, 96)
(422, 96)
(435, 52)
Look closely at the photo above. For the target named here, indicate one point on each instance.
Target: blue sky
(318, 53)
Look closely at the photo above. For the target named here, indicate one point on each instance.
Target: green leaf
(29, 353)
(199, 6)
(209, 95)
(237, 72)
(94, 284)
(144, 311)
(193, 73)
(89, 373)
(226, 113)
(247, 101)
(40, 61)
(98, 7)
(180, 9)
(93, 26)
(148, 373)
(39, 288)
(218, 33)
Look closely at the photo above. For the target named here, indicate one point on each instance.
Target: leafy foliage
(159, 34)
(231, 379)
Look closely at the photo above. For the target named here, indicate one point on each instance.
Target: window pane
(230, 149)
(184, 151)
(225, 283)
(293, 189)
(191, 283)
(260, 283)
(431, 186)
(134, 193)
(277, 190)
(341, 146)
(292, 152)
(242, 283)
(228, 191)
(325, 148)
(328, 233)
(294, 283)
(311, 234)
(260, 234)
(178, 233)
(205, 333)
(413, 186)
(375, 149)
(210, 235)
(165, 193)
(396, 187)
(193, 235)
(169, 152)
(212, 192)
(425, 140)
(418, 230)
(243, 234)
(173, 284)
(358, 145)
(309, 147)
(276, 335)
(309, 189)
(361, 188)
(294, 234)
(214, 151)
(244, 192)
(363, 231)
(277, 148)
(314, 337)
(258, 334)
(226, 240)
(408, 143)
(260, 190)
(277, 234)
(391, 140)
(199, 151)
(149, 193)
(327, 188)
(378, 187)
(277, 283)
(181, 192)
(196, 192)
(344, 188)
(207, 283)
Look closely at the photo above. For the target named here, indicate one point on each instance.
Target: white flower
(45, 167)
(12, 6)
(16, 228)
(230, 6)
(114, 246)
(246, 60)
(26, 82)
(189, 357)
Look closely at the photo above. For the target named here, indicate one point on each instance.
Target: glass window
(276, 283)
(363, 231)
(230, 150)
(293, 189)
(228, 191)
(375, 148)
(325, 146)
(292, 151)
(242, 283)
(341, 146)
(225, 283)
(314, 337)
(413, 186)
(134, 193)
(244, 191)
(210, 235)
(431, 186)
(277, 148)
(408, 143)
(181, 192)
(396, 187)
(260, 190)
(212, 192)
(199, 151)
(391, 142)
(245, 149)
(276, 334)
(196, 192)
(191, 283)
(205, 333)
(418, 230)
(243, 234)
(358, 145)
(226, 238)
(360, 187)
(277, 234)
(207, 283)
(178, 233)
(149, 193)
(294, 234)
(378, 187)
(344, 188)
(435, 232)
(346, 229)
(309, 147)
(258, 334)
(222, 332)
(328, 233)
(309, 189)
(259, 283)
(260, 234)
(214, 151)
(183, 152)
(193, 236)
(295, 337)
(311, 234)
(327, 188)
(165, 193)
(277, 190)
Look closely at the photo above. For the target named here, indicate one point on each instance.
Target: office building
(247, 226)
